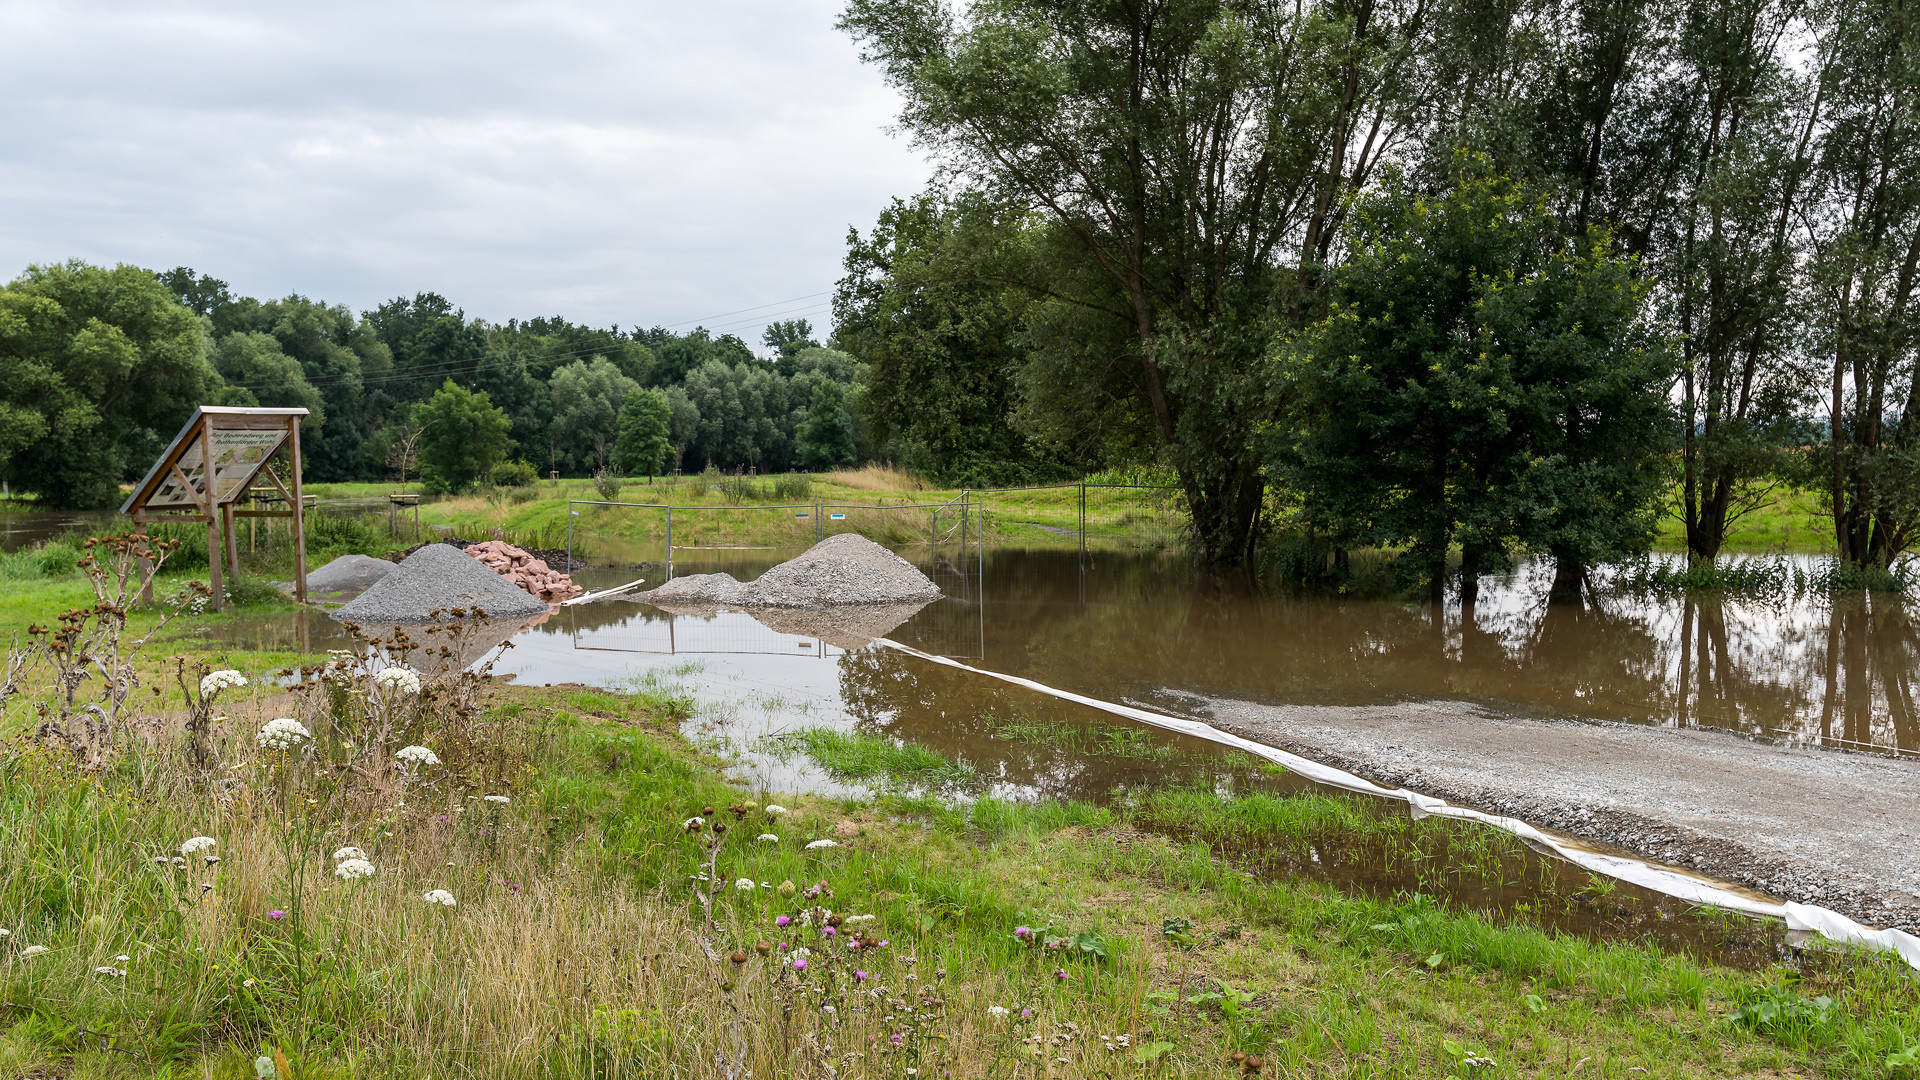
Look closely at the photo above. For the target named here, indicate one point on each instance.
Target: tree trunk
(1569, 581)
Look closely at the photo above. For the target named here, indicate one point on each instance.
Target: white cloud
(645, 163)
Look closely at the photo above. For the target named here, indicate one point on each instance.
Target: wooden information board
(211, 465)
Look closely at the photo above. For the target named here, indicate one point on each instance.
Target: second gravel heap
(843, 569)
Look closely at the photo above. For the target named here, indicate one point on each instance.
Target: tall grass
(877, 477)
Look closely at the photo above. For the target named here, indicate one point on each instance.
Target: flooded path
(1144, 630)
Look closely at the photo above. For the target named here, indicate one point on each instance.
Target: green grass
(848, 755)
(1790, 521)
(570, 951)
(1094, 739)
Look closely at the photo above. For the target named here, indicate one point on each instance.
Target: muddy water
(1144, 629)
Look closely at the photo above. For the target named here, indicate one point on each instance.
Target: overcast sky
(649, 162)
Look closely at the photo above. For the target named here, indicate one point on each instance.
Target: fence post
(1083, 518)
(569, 569)
(669, 541)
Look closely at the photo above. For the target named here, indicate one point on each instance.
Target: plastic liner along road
(1805, 917)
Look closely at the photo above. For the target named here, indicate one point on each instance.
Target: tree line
(1439, 276)
(100, 366)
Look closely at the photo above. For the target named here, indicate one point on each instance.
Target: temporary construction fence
(1159, 517)
(671, 535)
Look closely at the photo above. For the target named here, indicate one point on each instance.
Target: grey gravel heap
(346, 577)
(435, 577)
(843, 569)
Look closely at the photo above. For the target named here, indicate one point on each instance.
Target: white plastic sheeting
(1828, 924)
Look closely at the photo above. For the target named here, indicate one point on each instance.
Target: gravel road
(1826, 827)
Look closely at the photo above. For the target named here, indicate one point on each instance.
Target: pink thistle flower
(782, 921)
(799, 965)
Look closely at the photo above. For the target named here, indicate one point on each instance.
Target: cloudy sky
(649, 162)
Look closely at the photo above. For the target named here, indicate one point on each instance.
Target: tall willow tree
(1186, 156)
(1866, 273)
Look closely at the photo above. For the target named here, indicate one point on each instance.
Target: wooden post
(146, 565)
(299, 519)
(232, 536)
(209, 508)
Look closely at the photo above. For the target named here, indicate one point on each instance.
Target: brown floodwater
(1146, 629)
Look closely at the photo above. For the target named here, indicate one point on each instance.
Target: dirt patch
(1825, 827)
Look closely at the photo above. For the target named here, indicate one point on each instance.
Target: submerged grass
(847, 755)
(1092, 739)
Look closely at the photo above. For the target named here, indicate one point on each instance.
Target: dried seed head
(706, 811)
(763, 948)
(739, 956)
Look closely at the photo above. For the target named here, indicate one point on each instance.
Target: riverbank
(1832, 828)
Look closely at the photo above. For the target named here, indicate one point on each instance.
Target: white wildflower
(438, 896)
(5, 933)
(110, 972)
(769, 838)
(774, 808)
(353, 868)
(32, 950)
(745, 884)
(398, 678)
(817, 844)
(860, 918)
(122, 958)
(349, 853)
(996, 1010)
(502, 799)
(217, 681)
(199, 844)
(419, 755)
(285, 733)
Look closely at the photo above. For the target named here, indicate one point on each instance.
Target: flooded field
(1142, 629)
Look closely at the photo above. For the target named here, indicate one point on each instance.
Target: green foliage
(645, 435)
(587, 403)
(462, 436)
(256, 370)
(98, 367)
(1476, 382)
(606, 485)
(826, 438)
(792, 487)
(940, 340)
(513, 474)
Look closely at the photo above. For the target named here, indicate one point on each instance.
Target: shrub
(792, 486)
(513, 474)
(607, 484)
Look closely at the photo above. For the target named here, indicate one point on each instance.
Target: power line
(744, 310)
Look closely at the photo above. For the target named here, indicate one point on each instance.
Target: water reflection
(1833, 671)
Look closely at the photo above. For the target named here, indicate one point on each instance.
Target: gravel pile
(434, 577)
(345, 578)
(843, 569)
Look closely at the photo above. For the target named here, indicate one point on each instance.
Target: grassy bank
(714, 512)
(596, 929)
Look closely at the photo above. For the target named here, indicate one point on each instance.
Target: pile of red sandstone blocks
(523, 569)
